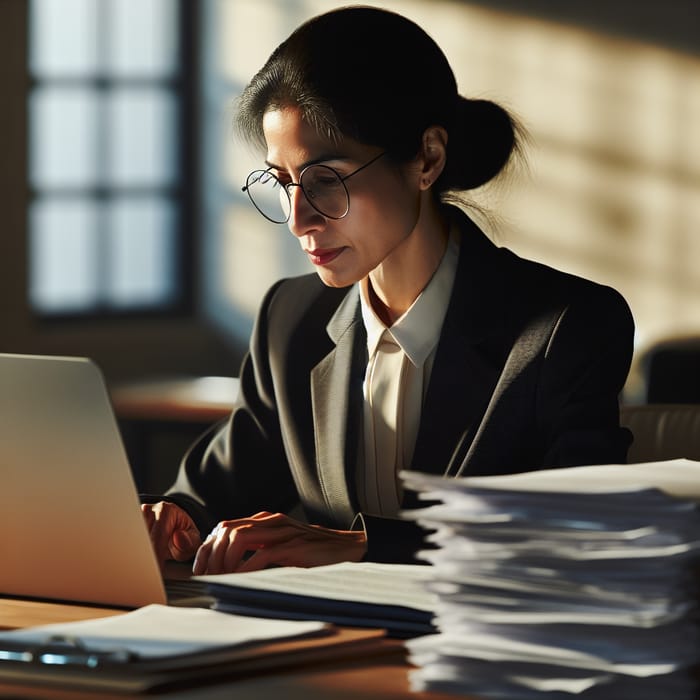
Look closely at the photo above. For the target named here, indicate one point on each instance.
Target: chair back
(662, 431)
(670, 370)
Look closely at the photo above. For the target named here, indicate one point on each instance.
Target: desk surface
(383, 677)
(190, 399)
(15, 613)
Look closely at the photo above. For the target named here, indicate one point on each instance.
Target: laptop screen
(72, 527)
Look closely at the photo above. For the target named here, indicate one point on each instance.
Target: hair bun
(483, 140)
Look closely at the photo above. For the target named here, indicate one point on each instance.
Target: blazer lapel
(460, 386)
(466, 368)
(336, 395)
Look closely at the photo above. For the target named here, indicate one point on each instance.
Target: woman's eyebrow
(313, 161)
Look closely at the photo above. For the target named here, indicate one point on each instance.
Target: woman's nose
(302, 216)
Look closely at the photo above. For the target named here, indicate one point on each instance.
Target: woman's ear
(433, 155)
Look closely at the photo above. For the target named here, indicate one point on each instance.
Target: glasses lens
(325, 191)
(268, 195)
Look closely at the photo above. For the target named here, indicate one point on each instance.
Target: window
(107, 219)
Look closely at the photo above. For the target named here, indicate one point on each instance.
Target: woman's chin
(333, 279)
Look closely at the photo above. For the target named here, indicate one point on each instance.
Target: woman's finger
(201, 559)
(161, 528)
(183, 544)
(227, 544)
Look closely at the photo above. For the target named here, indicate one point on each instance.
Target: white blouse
(397, 375)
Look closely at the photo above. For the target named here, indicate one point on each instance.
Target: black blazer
(526, 376)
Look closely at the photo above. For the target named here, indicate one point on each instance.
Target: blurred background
(125, 235)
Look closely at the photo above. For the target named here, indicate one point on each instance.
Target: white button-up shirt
(417, 333)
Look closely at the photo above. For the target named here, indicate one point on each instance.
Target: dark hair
(377, 77)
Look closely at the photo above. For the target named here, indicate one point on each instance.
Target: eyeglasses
(323, 187)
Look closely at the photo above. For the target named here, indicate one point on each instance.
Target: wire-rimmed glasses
(323, 187)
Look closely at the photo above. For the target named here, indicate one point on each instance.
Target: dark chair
(670, 370)
(662, 431)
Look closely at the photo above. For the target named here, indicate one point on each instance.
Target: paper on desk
(577, 655)
(357, 582)
(486, 679)
(677, 477)
(159, 631)
(612, 511)
(666, 645)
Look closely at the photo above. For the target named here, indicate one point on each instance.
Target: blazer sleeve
(239, 467)
(584, 367)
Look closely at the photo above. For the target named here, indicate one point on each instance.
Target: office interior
(126, 236)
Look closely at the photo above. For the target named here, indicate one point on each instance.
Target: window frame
(183, 192)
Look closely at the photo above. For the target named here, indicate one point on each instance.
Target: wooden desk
(383, 677)
(180, 399)
(15, 613)
(160, 419)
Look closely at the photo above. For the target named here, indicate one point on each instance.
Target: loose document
(364, 594)
(566, 583)
(158, 646)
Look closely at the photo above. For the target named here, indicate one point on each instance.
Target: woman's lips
(323, 256)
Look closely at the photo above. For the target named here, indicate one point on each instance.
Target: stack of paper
(578, 582)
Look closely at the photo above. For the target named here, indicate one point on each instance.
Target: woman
(417, 345)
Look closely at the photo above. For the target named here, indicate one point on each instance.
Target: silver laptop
(71, 523)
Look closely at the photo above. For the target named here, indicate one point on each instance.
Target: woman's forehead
(292, 141)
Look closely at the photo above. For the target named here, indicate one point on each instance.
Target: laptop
(72, 527)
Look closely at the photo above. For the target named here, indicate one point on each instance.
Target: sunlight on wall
(614, 164)
(613, 193)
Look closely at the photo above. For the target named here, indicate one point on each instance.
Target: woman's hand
(275, 539)
(173, 533)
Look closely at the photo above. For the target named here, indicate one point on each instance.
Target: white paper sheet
(159, 631)
(677, 477)
(358, 582)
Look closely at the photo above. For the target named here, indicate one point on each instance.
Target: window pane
(63, 252)
(63, 137)
(142, 259)
(63, 38)
(143, 39)
(104, 154)
(142, 147)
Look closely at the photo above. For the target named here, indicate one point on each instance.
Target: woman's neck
(396, 283)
